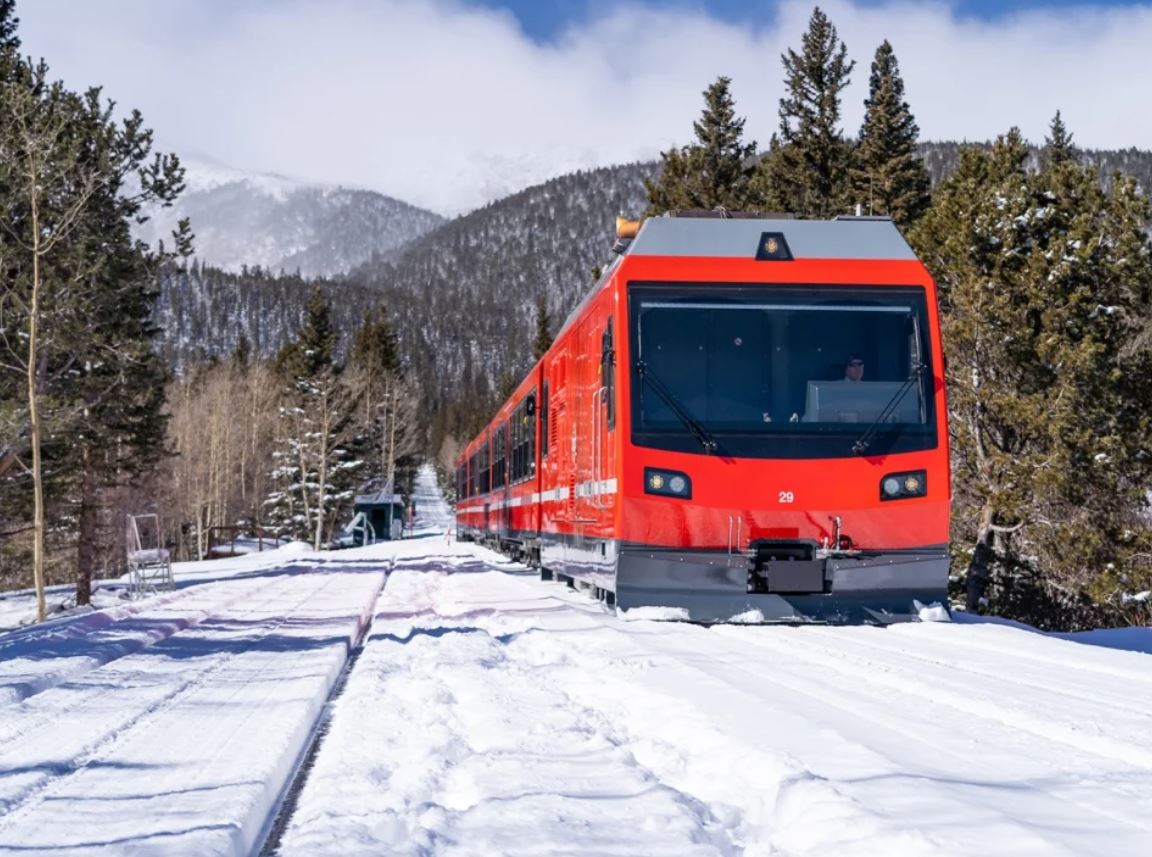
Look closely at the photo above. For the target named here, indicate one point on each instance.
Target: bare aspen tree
(42, 161)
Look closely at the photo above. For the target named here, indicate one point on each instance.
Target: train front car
(784, 453)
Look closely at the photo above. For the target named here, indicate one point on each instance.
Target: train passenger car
(745, 419)
(497, 483)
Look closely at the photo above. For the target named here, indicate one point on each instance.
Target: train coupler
(792, 567)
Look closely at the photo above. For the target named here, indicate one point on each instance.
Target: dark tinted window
(499, 456)
(764, 370)
(607, 373)
(523, 439)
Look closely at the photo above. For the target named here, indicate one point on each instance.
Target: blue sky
(544, 20)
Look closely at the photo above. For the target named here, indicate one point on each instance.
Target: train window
(608, 374)
(485, 483)
(544, 421)
(504, 453)
(499, 453)
(520, 432)
(759, 371)
(515, 427)
(530, 436)
(523, 439)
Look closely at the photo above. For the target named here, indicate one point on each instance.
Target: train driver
(854, 368)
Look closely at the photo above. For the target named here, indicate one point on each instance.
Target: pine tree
(713, 172)
(543, 340)
(1044, 279)
(79, 291)
(374, 344)
(888, 176)
(317, 342)
(807, 168)
(387, 398)
(242, 354)
(1058, 148)
(316, 465)
(8, 24)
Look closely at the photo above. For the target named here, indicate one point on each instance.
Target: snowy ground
(18, 608)
(494, 714)
(490, 713)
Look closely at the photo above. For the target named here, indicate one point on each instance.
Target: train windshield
(781, 371)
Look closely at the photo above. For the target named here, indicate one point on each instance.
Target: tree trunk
(978, 569)
(34, 415)
(322, 473)
(87, 526)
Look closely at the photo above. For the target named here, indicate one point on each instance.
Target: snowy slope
(278, 223)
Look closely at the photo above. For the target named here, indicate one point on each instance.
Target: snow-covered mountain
(280, 223)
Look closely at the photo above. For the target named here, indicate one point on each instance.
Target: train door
(606, 405)
(506, 439)
(586, 428)
(560, 441)
(598, 418)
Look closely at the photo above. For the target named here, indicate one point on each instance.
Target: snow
(511, 716)
(203, 174)
(491, 713)
(172, 730)
(18, 608)
(932, 612)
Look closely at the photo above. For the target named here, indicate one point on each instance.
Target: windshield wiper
(698, 431)
(865, 440)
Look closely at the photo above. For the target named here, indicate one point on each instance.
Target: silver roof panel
(807, 239)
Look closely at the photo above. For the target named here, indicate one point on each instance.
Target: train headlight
(667, 483)
(901, 486)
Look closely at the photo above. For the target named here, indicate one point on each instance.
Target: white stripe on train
(593, 488)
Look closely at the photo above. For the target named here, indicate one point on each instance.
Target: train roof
(871, 238)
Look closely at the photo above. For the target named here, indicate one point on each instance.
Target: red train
(745, 419)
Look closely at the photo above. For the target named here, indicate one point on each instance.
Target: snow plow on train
(744, 420)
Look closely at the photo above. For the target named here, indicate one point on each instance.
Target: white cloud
(449, 106)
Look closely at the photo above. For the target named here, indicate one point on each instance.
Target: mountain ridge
(280, 224)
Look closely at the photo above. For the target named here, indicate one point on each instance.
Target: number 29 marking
(787, 497)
